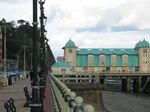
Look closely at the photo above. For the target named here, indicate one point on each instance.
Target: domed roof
(137, 46)
(142, 44)
(70, 44)
(145, 43)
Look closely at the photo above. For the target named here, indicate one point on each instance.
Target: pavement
(126, 102)
(16, 92)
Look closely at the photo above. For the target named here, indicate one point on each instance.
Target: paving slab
(16, 92)
(126, 102)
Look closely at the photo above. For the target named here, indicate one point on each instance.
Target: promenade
(126, 102)
(16, 92)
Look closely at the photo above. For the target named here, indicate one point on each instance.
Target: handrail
(65, 100)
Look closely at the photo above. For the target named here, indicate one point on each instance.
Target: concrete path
(16, 92)
(125, 102)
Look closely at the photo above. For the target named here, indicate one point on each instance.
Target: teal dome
(70, 44)
(137, 46)
(142, 44)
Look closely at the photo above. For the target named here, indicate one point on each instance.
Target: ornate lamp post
(42, 73)
(43, 20)
(35, 105)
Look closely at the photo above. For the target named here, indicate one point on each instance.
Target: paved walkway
(16, 92)
(125, 102)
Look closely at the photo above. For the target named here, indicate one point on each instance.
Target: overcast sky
(89, 23)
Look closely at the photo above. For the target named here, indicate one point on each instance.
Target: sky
(89, 23)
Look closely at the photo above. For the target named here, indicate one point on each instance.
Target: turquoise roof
(61, 64)
(107, 51)
(142, 44)
(70, 44)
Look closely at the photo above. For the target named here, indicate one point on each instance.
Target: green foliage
(17, 37)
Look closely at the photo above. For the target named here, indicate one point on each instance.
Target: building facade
(1, 44)
(113, 60)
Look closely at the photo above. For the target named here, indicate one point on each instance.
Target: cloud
(10, 1)
(124, 28)
(89, 23)
(16, 10)
(100, 16)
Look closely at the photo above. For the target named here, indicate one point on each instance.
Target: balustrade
(65, 100)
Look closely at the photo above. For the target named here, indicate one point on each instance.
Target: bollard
(79, 102)
(88, 108)
(72, 104)
(67, 97)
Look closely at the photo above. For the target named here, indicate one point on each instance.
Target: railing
(65, 100)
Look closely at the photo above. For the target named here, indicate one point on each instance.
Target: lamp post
(35, 105)
(5, 79)
(43, 72)
(31, 62)
(18, 60)
(43, 20)
(24, 58)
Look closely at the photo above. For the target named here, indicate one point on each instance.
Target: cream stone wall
(90, 63)
(144, 59)
(125, 67)
(102, 63)
(149, 60)
(70, 56)
(80, 69)
(57, 70)
(113, 63)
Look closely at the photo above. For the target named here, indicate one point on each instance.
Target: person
(31, 75)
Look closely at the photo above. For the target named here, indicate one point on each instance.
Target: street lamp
(5, 26)
(45, 33)
(24, 57)
(35, 103)
(43, 72)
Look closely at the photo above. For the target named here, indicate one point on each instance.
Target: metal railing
(65, 100)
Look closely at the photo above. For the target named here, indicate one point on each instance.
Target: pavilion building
(110, 60)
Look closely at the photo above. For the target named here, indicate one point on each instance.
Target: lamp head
(3, 20)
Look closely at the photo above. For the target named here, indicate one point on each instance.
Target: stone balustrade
(65, 100)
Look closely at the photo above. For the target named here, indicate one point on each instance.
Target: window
(70, 50)
(113, 60)
(102, 59)
(90, 60)
(84, 68)
(125, 60)
(144, 50)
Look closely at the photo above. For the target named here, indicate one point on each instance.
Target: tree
(21, 22)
